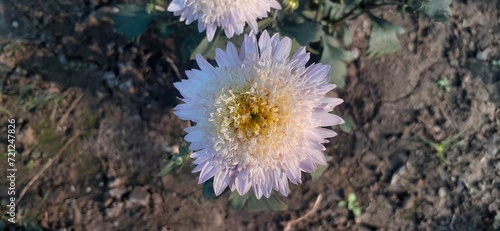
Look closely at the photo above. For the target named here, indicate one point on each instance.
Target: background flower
(231, 15)
(259, 116)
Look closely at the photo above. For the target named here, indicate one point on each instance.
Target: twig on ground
(174, 67)
(64, 117)
(289, 226)
(48, 164)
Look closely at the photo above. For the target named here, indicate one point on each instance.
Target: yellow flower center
(252, 115)
(253, 119)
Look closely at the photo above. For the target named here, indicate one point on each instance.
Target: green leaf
(384, 37)
(351, 198)
(201, 45)
(272, 203)
(132, 20)
(438, 9)
(342, 204)
(333, 10)
(336, 57)
(352, 2)
(164, 29)
(304, 33)
(237, 201)
(264, 23)
(207, 49)
(356, 211)
(4, 110)
(250, 202)
(295, 46)
(348, 125)
(320, 169)
(451, 141)
(184, 149)
(208, 190)
(347, 37)
(167, 169)
(190, 42)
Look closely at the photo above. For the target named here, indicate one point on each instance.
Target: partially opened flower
(231, 15)
(259, 116)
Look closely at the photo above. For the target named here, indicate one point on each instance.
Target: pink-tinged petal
(331, 102)
(211, 28)
(321, 90)
(198, 168)
(293, 175)
(175, 5)
(265, 45)
(300, 60)
(257, 190)
(203, 156)
(312, 135)
(242, 182)
(249, 48)
(268, 186)
(326, 119)
(318, 158)
(325, 133)
(317, 72)
(253, 25)
(315, 145)
(283, 49)
(284, 184)
(221, 181)
(229, 31)
(307, 165)
(207, 172)
(275, 4)
(201, 26)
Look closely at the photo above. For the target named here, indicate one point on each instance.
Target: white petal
(283, 49)
(176, 5)
(211, 28)
(327, 119)
(221, 181)
(317, 72)
(242, 183)
(307, 165)
(204, 65)
(207, 172)
(194, 136)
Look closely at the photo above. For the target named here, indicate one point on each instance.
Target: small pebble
(482, 55)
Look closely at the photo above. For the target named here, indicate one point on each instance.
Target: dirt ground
(67, 77)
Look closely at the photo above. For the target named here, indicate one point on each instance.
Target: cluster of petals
(261, 117)
(231, 15)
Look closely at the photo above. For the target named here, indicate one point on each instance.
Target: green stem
(317, 17)
(363, 9)
(212, 43)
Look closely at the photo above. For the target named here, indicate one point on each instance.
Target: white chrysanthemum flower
(231, 15)
(259, 116)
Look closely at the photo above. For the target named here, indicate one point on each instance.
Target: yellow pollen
(251, 114)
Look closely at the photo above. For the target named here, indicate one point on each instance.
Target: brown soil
(106, 179)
